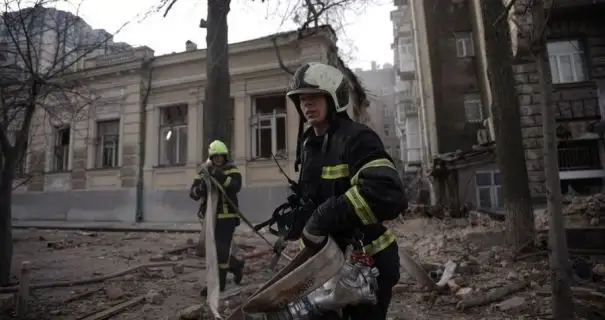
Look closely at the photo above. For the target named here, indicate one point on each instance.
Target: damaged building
(456, 124)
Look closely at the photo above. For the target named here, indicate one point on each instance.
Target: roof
(479, 154)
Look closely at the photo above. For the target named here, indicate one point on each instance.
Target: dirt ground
(483, 266)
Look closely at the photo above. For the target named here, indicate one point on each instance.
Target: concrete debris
(154, 297)
(511, 304)
(114, 292)
(467, 259)
(192, 313)
(579, 211)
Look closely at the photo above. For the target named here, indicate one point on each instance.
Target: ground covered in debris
(168, 288)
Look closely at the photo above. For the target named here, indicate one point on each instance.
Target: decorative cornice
(264, 70)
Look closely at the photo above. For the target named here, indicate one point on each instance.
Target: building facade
(380, 83)
(57, 38)
(407, 96)
(133, 153)
(453, 77)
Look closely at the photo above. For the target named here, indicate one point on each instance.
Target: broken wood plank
(496, 295)
(81, 295)
(110, 312)
(24, 290)
(63, 284)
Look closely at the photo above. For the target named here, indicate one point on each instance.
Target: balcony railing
(579, 155)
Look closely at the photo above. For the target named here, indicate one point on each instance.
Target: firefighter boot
(222, 282)
(236, 266)
(222, 279)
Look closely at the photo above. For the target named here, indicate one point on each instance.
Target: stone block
(532, 132)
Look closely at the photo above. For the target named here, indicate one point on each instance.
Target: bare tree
(42, 47)
(499, 56)
(507, 122)
(308, 14)
(560, 266)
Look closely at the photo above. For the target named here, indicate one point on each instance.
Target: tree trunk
(6, 236)
(217, 106)
(507, 122)
(560, 266)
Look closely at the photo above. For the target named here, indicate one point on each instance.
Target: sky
(367, 35)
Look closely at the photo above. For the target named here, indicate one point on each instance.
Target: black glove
(217, 174)
(197, 191)
(194, 194)
(318, 227)
(298, 218)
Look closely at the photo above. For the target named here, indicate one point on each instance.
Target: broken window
(489, 190)
(473, 108)
(567, 61)
(173, 135)
(268, 126)
(464, 44)
(61, 149)
(108, 143)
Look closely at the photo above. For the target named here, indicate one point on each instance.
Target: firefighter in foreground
(346, 172)
(225, 173)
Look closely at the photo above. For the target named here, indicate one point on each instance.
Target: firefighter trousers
(387, 263)
(223, 235)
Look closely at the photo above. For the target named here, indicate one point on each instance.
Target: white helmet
(318, 77)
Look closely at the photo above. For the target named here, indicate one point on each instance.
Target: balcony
(578, 155)
(410, 109)
(403, 97)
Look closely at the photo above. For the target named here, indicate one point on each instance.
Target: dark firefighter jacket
(231, 180)
(348, 173)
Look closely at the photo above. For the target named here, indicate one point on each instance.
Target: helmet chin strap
(299, 143)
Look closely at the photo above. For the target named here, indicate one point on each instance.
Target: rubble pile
(579, 211)
(481, 279)
(159, 276)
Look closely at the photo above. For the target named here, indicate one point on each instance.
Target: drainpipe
(146, 67)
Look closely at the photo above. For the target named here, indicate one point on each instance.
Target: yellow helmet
(217, 147)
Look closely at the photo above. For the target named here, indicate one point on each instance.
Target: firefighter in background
(227, 174)
(347, 173)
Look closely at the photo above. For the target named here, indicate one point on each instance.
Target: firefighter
(227, 174)
(347, 173)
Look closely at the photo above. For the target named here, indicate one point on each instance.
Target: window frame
(255, 126)
(58, 147)
(494, 188)
(469, 100)
(100, 144)
(164, 160)
(557, 71)
(465, 47)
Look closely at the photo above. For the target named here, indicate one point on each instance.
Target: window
(401, 112)
(268, 126)
(489, 190)
(412, 139)
(108, 143)
(386, 130)
(405, 48)
(464, 44)
(473, 108)
(61, 149)
(566, 61)
(173, 135)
